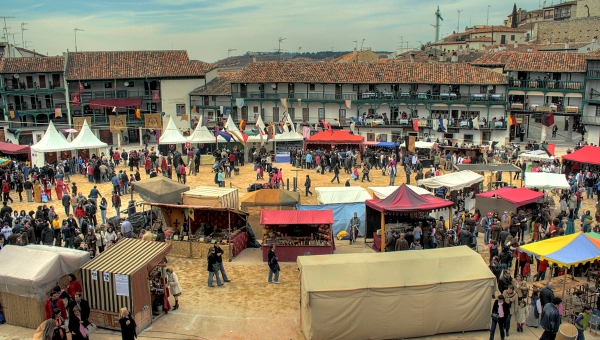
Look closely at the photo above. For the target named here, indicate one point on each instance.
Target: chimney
(412, 57)
(355, 52)
(516, 44)
(454, 59)
(253, 59)
(567, 45)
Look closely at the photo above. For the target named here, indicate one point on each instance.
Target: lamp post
(458, 27)
(75, 30)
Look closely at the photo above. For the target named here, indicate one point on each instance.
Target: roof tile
(32, 65)
(534, 61)
(220, 86)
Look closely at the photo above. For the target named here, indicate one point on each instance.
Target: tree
(515, 21)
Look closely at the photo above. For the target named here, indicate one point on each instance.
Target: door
(106, 136)
(503, 39)
(245, 113)
(290, 90)
(29, 82)
(55, 80)
(338, 91)
(305, 116)
(42, 81)
(243, 91)
(206, 100)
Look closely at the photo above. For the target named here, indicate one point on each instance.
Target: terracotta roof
(488, 29)
(561, 46)
(534, 61)
(133, 65)
(368, 73)
(220, 86)
(593, 55)
(484, 39)
(33, 65)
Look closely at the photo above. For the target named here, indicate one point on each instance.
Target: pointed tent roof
(86, 139)
(160, 189)
(52, 141)
(172, 135)
(234, 131)
(568, 250)
(405, 199)
(203, 135)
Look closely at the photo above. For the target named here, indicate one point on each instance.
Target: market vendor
(208, 228)
(158, 289)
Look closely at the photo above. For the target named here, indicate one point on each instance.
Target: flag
(441, 122)
(510, 121)
(12, 113)
(348, 103)
(205, 121)
(476, 123)
(225, 135)
(138, 114)
(306, 132)
(239, 102)
(416, 125)
(194, 109)
(547, 119)
(80, 88)
(284, 102)
(185, 117)
(75, 99)
(16, 113)
(155, 96)
(242, 125)
(57, 112)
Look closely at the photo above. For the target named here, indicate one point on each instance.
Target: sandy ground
(248, 307)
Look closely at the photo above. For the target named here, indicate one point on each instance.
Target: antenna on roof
(229, 51)
(279, 48)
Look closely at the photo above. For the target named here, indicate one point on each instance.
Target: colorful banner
(78, 122)
(156, 96)
(117, 124)
(57, 112)
(75, 99)
(348, 103)
(411, 143)
(153, 121)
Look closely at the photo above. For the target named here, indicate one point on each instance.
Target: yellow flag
(184, 116)
(138, 114)
(12, 113)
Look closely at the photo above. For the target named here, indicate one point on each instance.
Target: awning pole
(382, 231)
(565, 282)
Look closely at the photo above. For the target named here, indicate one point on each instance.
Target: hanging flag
(441, 122)
(75, 99)
(194, 109)
(284, 102)
(80, 88)
(16, 113)
(306, 132)
(476, 123)
(242, 125)
(548, 119)
(223, 134)
(138, 114)
(415, 125)
(185, 117)
(205, 121)
(239, 102)
(57, 112)
(155, 96)
(12, 113)
(348, 103)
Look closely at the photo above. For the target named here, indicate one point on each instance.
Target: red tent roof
(587, 155)
(13, 149)
(405, 199)
(517, 196)
(335, 137)
(271, 217)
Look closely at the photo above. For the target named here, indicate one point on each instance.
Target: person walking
(175, 287)
(354, 227)
(103, 206)
(273, 265)
(535, 310)
(307, 183)
(219, 253)
(116, 202)
(128, 325)
(521, 315)
(500, 311)
(582, 321)
(550, 319)
(336, 173)
(28, 186)
(213, 268)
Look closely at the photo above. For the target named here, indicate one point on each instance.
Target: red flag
(416, 125)
(75, 99)
(80, 88)
(155, 96)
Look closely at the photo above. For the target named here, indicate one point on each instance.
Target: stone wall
(578, 30)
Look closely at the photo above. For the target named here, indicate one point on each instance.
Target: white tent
(452, 181)
(86, 139)
(288, 136)
(172, 135)
(544, 180)
(52, 141)
(536, 155)
(423, 145)
(337, 195)
(383, 192)
(202, 135)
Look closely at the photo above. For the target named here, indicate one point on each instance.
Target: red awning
(587, 155)
(116, 102)
(516, 196)
(335, 137)
(14, 149)
(405, 199)
(272, 217)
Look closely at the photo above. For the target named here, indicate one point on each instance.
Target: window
(87, 86)
(597, 110)
(211, 116)
(512, 37)
(42, 81)
(311, 87)
(108, 85)
(486, 137)
(29, 82)
(370, 137)
(55, 81)
(255, 109)
(305, 114)
(321, 113)
(179, 109)
(355, 88)
(214, 98)
(342, 114)
(468, 138)
(130, 84)
(245, 113)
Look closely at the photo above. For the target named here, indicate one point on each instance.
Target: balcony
(457, 125)
(591, 120)
(23, 88)
(85, 96)
(368, 97)
(593, 74)
(562, 85)
(539, 109)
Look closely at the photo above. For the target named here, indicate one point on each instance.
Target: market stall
(536, 156)
(545, 181)
(25, 283)
(193, 229)
(398, 295)
(456, 181)
(587, 157)
(383, 192)
(47, 149)
(86, 141)
(212, 197)
(15, 149)
(124, 277)
(402, 206)
(492, 168)
(271, 198)
(296, 233)
(506, 199)
(327, 139)
(341, 195)
(160, 189)
(171, 134)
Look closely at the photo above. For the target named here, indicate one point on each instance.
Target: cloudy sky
(208, 28)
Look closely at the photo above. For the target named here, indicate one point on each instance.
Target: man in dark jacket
(67, 234)
(83, 305)
(465, 237)
(550, 320)
(219, 253)
(546, 294)
(47, 235)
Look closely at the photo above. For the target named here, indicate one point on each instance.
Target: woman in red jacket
(73, 286)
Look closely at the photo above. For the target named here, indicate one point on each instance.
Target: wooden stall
(192, 230)
(209, 196)
(119, 278)
(296, 233)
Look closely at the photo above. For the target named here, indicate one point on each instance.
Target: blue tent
(342, 213)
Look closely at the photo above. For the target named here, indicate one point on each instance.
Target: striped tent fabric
(212, 197)
(131, 257)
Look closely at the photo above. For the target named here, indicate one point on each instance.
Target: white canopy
(172, 135)
(202, 135)
(52, 141)
(536, 155)
(544, 180)
(20, 275)
(86, 139)
(452, 181)
(336, 195)
(288, 136)
(424, 145)
(383, 192)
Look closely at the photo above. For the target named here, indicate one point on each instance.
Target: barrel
(566, 332)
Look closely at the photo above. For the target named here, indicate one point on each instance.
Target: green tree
(515, 21)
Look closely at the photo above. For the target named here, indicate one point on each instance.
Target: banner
(57, 112)
(117, 124)
(153, 121)
(78, 122)
(155, 96)
(348, 104)
(411, 143)
(239, 102)
(75, 99)
(138, 114)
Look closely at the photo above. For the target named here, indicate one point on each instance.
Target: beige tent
(394, 295)
(212, 197)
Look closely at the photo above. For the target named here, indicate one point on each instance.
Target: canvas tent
(383, 192)
(506, 199)
(536, 155)
(52, 141)
(86, 139)
(334, 137)
(212, 197)
(452, 181)
(545, 181)
(202, 135)
(14, 149)
(379, 296)
(160, 189)
(568, 250)
(341, 195)
(171, 134)
(270, 197)
(585, 155)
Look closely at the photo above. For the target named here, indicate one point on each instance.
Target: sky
(207, 29)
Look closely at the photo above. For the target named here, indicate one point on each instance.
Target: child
(521, 315)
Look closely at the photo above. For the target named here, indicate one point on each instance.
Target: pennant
(225, 135)
(138, 114)
(476, 123)
(185, 117)
(186, 212)
(12, 114)
(415, 125)
(239, 102)
(16, 113)
(80, 88)
(75, 99)
(306, 132)
(348, 103)
(194, 109)
(242, 125)
(156, 96)
(510, 121)
(191, 214)
(57, 112)
(548, 119)
(441, 122)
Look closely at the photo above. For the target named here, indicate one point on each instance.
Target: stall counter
(290, 253)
